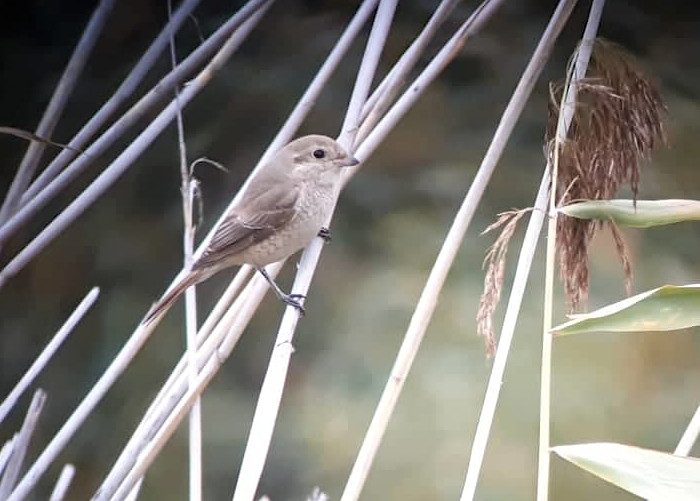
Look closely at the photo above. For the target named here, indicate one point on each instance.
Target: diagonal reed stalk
(298, 115)
(63, 483)
(152, 421)
(229, 329)
(385, 93)
(158, 426)
(47, 353)
(568, 104)
(270, 396)
(55, 108)
(516, 296)
(517, 292)
(271, 392)
(428, 300)
(34, 200)
(690, 435)
(390, 86)
(133, 345)
(368, 120)
(121, 95)
(6, 453)
(21, 444)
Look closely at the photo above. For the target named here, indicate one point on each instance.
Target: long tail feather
(164, 304)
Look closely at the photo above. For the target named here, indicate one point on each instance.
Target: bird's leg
(289, 299)
(325, 234)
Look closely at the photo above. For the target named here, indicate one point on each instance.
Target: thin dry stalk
(121, 95)
(317, 495)
(365, 75)
(207, 335)
(212, 352)
(33, 138)
(135, 490)
(48, 352)
(517, 292)
(300, 111)
(135, 342)
(40, 193)
(256, 287)
(21, 444)
(6, 453)
(149, 453)
(532, 233)
(385, 93)
(209, 338)
(270, 396)
(576, 74)
(439, 62)
(690, 435)
(406, 101)
(63, 483)
(160, 426)
(188, 189)
(55, 108)
(495, 264)
(428, 300)
(323, 75)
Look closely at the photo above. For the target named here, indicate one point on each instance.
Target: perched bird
(280, 212)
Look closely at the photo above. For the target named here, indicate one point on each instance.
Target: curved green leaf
(647, 212)
(653, 475)
(666, 308)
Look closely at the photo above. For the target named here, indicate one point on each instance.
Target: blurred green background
(636, 389)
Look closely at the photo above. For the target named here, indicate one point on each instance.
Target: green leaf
(653, 475)
(647, 213)
(666, 308)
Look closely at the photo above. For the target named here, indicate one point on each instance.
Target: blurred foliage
(389, 226)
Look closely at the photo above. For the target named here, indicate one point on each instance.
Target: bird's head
(314, 156)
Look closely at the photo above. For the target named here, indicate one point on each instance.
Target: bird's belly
(289, 239)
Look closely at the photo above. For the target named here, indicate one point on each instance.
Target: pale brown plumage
(281, 210)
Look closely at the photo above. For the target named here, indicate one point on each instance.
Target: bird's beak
(351, 162)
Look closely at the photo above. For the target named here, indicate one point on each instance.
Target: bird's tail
(164, 304)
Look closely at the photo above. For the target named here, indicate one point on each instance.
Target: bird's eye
(319, 154)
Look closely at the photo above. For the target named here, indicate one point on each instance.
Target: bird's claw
(295, 301)
(325, 234)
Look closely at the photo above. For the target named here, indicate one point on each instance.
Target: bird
(281, 210)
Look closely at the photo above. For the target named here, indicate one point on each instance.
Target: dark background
(636, 389)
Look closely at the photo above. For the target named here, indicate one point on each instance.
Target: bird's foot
(295, 301)
(325, 234)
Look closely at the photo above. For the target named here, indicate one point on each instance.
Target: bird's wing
(264, 208)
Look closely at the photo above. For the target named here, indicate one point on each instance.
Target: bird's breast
(313, 207)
